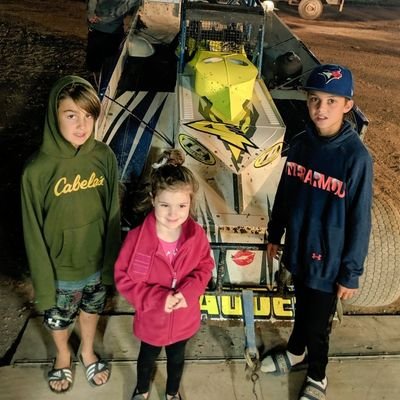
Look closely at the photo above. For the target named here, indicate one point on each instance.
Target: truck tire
(310, 9)
(380, 283)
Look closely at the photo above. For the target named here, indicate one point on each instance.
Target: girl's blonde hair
(83, 96)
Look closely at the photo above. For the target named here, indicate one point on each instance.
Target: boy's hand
(94, 20)
(345, 293)
(273, 251)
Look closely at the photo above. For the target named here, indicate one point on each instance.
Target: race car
(223, 83)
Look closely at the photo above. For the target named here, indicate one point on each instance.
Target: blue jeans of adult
(146, 361)
(314, 314)
(102, 47)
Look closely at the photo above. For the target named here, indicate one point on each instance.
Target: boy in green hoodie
(71, 223)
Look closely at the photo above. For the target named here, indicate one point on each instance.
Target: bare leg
(63, 359)
(88, 324)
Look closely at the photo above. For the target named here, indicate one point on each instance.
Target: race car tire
(380, 283)
(310, 9)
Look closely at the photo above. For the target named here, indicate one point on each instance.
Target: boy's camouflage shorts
(88, 295)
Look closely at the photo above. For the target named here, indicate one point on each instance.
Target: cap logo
(331, 75)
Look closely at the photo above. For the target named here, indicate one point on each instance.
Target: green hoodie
(70, 208)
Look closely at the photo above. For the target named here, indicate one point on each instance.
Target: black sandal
(95, 368)
(58, 375)
(312, 391)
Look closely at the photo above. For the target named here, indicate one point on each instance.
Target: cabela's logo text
(64, 187)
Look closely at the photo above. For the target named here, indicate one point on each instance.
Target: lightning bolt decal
(228, 133)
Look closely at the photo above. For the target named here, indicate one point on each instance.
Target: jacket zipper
(174, 280)
(173, 287)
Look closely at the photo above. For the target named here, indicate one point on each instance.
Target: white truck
(312, 9)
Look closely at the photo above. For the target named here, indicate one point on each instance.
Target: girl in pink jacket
(163, 268)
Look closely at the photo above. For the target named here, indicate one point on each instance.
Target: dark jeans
(146, 361)
(312, 326)
(102, 46)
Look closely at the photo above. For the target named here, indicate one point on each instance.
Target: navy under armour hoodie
(323, 206)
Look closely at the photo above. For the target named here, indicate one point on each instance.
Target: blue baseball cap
(331, 78)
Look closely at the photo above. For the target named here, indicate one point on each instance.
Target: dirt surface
(41, 40)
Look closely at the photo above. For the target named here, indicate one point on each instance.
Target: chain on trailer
(251, 353)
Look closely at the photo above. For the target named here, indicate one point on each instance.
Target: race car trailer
(223, 83)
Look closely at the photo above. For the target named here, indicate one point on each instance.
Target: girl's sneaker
(139, 396)
(175, 397)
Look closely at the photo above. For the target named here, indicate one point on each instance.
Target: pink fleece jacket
(144, 277)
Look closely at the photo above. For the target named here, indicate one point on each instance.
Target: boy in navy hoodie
(323, 205)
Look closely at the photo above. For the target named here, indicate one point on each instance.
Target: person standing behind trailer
(163, 268)
(323, 205)
(105, 31)
(71, 224)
